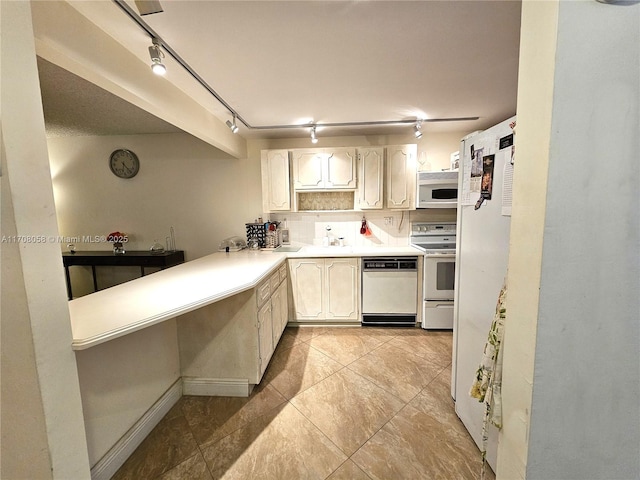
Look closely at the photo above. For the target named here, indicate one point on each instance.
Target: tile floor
(335, 403)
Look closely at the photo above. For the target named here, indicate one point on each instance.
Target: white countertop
(349, 251)
(140, 303)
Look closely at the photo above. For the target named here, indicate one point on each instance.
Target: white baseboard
(118, 454)
(216, 387)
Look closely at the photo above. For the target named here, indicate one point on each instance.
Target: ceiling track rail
(154, 36)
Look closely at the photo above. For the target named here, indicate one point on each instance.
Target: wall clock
(124, 163)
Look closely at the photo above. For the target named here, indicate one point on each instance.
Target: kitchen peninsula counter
(143, 302)
(192, 329)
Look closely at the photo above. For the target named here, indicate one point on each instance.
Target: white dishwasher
(389, 291)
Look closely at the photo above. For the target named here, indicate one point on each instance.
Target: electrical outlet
(388, 220)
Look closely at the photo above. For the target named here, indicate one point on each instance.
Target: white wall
(309, 227)
(589, 304)
(186, 184)
(70, 35)
(120, 381)
(183, 183)
(23, 424)
(584, 409)
(535, 103)
(433, 148)
(42, 425)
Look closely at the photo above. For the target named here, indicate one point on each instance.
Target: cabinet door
(276, 192)
(307, 283)
(370, 178)
(276, 315)
(308, 168)
(265, 336)
(284, 310)
(342, 288)
(341, 168)
(401, 174)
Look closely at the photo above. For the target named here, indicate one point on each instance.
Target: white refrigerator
(482, 243)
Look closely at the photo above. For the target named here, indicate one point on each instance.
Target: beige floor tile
(348, 344)
(347, 408)
(434, 347)
(193, 468)
(421, 331)
(288, 340)
(383, 331)
(175, 411)
(295, 369)
(414, 445)
(282, 444)
(348, 471)
(338, 410)
(306, 333)
(212, 418)
(168, 444)
(399, 372)
(436, 399)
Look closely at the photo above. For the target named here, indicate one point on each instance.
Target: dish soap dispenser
(326, 240)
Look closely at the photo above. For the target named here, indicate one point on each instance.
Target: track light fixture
(156, 58)
(233, 126)
(416, 129)
(157, 66)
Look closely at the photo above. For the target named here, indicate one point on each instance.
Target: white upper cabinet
(385, 179)
(401, 177)
(308, 169)
(370, 178)
(391, 187)
(341, 168)
(276, 191)
(324, 169)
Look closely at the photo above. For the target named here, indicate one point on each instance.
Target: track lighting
(416, 129)
(160, 69)
(147, 7)
(233, 126)
(156, 58)
(314, 139)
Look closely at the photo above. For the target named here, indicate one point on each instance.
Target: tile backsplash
(309, 228)
(325, 201)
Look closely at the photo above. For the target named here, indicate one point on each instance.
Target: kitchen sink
(286, 249)
(317, 250)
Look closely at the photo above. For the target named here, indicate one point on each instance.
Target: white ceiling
(293, 62)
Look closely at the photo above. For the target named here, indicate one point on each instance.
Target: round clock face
(124, 163)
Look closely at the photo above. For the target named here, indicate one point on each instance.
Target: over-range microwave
(437, 190)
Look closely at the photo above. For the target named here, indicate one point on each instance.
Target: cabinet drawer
(274, 281)
(263, 292)
(282, 271)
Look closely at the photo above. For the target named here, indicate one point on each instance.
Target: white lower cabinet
(225, 347)
(272, 317)
(279, 312)
(265, 336)
(324, 289)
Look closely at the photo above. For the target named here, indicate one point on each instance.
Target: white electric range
(438, 242)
